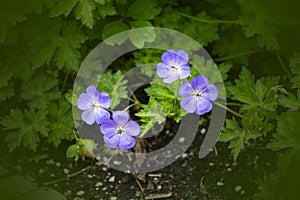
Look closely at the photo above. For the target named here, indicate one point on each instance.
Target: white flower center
(97, 105)
(175, 68)
(197, 93)
(120, 131)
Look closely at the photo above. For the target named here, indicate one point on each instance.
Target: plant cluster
(119, 131)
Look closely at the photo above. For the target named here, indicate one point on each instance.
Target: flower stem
(129, 106)
(233, 104)
(209, 21)
(133, 95)
(228, 109)
(108, 109)
(283, 65)
(240, 54)
(176, 97)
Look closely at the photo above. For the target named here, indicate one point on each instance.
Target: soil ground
(215, 177)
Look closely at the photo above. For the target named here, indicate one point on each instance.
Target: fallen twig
(158, 196)
(140, 186)
(69, 175)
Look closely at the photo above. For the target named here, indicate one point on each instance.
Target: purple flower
(120, 131)
(198, 95)
(174, 66)
(94, 105)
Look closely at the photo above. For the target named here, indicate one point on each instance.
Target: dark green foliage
(25, 128)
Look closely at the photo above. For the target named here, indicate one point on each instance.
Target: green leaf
(54, 39)
(42, 34)
(61, 7)
(114, 85)
(68, 54)
(138, 37)
(80, 149)
(259, 97)
(287, 135)
(25, 128)
(267, 186)
(143, 9)
(295, 68)
(204, 33)
(232, 46)
(89, 145)
(104, 10)
(85, 12)
(83, 9)
(72, 151)
(256, 22)
(6, 88)
(13, 12)
(40, 89)
(61, 121)
(112, 28)
(146, 56)
(151, 114)
(283, 183)
(290, 101)
(288, 170)
(251, 127)
(165, 95)
(255, 126)
(235, 135)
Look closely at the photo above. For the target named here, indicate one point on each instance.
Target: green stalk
(283, 65)
(209, 21)
(240, 54)
(228, 109)
(179, 83)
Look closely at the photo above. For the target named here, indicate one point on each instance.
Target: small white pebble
(66, 171)
(159, 187)
(89, 176)
(219, 183)
(112, 179)
(203, 131)
(243, 192)
(50, 162)
(99, 184)
(113, 198)
(181, 140)
(237, 188)
(104, 169)
(58, 164)
(211, 164)
(184, 155)
(117, 162)
(80, 193)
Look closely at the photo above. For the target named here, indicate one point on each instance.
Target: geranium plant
(119, 131)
